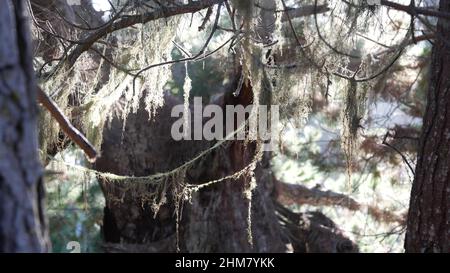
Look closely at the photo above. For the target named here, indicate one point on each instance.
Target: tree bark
(428, 227)
(215, 221)
(23, 226)
(219, 219)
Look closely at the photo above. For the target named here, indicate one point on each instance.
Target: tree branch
(306, 10)
(289, 194)
(130, 20)
(301, 11)
(72, 132)
(412, 10)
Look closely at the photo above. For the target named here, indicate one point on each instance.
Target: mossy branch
(73, 133)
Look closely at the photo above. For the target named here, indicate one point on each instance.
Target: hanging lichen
(99, 96)
(186, 91)
(249, 188)
(352, 116)
(178, 186)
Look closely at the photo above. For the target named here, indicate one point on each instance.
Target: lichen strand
(186, 92)
(353, 111)
(290, 89)
(250, 187)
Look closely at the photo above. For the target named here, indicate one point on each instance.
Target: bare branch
(412, 10)
(72, 132)
(289, 194)
(305, 11)
(130, 20)
(388, 134)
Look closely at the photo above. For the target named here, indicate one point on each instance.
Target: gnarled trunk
(23, 225)
(217, 218)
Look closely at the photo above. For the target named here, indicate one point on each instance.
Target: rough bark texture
(23, 225)
(428, 228)
(218, 216)
(143, 148)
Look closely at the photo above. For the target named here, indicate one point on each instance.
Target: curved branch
(289, 194)
(127, 21)
(334, 49)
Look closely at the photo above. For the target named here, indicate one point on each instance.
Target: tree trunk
(215, 221)
(219, 219)
(216, 218)
(23, 226)
(143, 148)
(428, 228)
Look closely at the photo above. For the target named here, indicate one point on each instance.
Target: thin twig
(397, 151)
